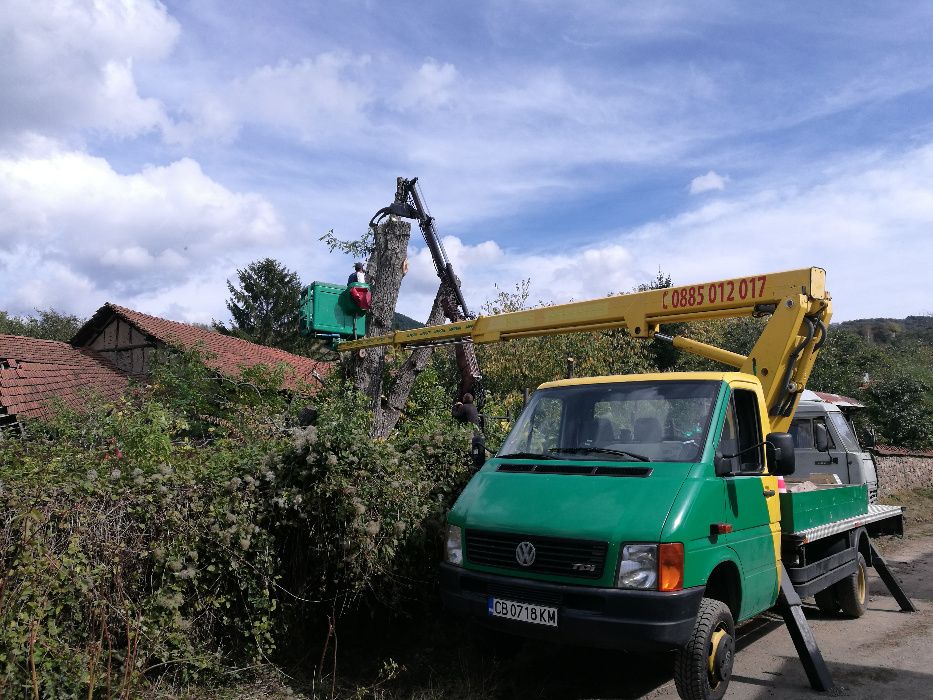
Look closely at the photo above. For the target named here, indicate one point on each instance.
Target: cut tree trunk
(385, 272)
(390, 410)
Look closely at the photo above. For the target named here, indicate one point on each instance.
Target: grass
(919, 503)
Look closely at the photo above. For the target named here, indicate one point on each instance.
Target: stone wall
(901, 469)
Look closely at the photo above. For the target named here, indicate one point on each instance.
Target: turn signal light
(671, 567)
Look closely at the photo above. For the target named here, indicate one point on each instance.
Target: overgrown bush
(187, 530)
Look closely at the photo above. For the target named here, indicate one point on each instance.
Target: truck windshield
(664, 421)
(845, 432)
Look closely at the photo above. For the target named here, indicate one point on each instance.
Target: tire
(826, 601)
(712, 643)
(852, 591)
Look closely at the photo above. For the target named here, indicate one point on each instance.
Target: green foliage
(428, 406)
(47, 324)
(188, 530)
(265, 309)
(360, 248)
(265, 304)
(844, 361)
(893, 379)
(901, 409)
(373, 508)
(510, 368)
(888, 330)
(401, 322)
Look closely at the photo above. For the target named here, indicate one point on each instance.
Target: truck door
(748, 494)
(858, 463)
(810, 460)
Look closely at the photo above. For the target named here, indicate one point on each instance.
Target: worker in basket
(359, 287)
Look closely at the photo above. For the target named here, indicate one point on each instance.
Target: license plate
(523, 612)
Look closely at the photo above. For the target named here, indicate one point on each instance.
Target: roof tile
(48, 369)
(42, 370)
(229, 354)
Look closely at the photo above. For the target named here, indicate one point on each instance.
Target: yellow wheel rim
(713, 645)
(862, 584)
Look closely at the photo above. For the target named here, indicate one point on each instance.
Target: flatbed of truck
(876, 513)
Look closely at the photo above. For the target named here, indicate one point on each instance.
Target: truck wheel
(826, 601)
(852, 591)
(703, 667)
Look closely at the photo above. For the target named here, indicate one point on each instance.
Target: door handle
(768, 493)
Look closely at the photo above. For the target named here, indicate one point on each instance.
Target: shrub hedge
(193, 527)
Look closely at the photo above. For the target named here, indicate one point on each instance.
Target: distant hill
(401, 322)
(885, 330)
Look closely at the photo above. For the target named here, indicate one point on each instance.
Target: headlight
(638, 566)
(454, 551)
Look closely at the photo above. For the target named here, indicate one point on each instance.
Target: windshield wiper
(601, 450)
(525, 455)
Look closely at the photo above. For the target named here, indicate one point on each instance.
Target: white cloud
(313, 98)
(323, 118)
(709, 182)
(861, 224)
(67, 66)
(432, 86)
(559, 275)
(77, 233)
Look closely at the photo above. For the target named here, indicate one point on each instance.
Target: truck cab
(615, 505)
(826, 443)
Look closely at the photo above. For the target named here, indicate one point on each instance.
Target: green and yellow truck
(648, 511)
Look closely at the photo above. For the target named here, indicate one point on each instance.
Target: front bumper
(598, 617)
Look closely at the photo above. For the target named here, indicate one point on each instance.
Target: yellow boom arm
(796, 301)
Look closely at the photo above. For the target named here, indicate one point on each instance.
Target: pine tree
(265, 305)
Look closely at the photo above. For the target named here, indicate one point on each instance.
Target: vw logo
(525, 553)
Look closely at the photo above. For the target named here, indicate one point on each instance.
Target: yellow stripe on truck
(770, 483)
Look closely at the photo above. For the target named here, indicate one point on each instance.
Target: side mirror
(781, 457)
(820, 437)
(722, 464)
(868, 438)
(478, 450)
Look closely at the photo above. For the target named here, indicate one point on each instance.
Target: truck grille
(553, 555)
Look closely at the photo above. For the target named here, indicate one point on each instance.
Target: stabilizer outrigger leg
(791, 609)
(881, 566)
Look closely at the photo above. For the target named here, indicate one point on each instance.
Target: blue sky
(148, 150)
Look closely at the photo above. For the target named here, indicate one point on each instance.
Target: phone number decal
(745, 288)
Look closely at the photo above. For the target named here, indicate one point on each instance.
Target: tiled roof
(32, 372)
(837, 399)
(227, 355)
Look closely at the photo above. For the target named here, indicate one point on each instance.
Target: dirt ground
(885, 654)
